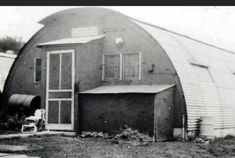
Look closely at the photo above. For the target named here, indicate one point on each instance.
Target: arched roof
(74, 11)
(207, 75)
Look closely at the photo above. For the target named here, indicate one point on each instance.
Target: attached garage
(147, 108)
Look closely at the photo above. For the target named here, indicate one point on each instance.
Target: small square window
(37, 70)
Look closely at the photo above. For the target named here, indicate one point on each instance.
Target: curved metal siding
(211, 98)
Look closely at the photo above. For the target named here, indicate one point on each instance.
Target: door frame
(60, 126)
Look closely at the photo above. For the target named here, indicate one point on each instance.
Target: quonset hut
(98, 70)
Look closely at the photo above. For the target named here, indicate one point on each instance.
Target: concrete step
(4, 155)
(13, 148)
(30, 134)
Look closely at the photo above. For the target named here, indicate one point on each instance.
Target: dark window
(112, 66)
(37, 69)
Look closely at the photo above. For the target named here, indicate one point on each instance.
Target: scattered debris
(92, 134)
(202, 140)
(134, 137)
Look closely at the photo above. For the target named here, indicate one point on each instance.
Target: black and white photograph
(117, 81)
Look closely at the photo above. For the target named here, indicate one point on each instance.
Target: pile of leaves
(130, 135)
(126, 135)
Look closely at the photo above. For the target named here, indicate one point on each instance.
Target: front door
(60, 90)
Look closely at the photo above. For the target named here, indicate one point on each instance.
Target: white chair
(35, 121)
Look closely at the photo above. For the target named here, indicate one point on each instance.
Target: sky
(213, 25)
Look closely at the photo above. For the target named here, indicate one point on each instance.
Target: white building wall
(6, 61)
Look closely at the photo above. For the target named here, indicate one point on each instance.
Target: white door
(60, 90)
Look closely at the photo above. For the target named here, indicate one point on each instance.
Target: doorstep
(6, 155)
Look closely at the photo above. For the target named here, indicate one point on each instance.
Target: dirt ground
(58, 147)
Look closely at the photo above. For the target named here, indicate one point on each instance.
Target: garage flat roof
(117, 89)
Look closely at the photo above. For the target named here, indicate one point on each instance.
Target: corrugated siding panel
(228, 110)
(202, 100)
(216, 98)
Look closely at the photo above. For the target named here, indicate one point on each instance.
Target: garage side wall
(112, 112)
(164, 114)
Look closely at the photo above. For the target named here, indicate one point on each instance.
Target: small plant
(14, 122)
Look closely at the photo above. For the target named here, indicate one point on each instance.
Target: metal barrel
(27, 102)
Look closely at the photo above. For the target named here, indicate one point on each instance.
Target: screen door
(60, 90)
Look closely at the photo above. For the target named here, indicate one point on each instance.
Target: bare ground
(58, 147)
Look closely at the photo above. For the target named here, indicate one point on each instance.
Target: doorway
(60, 90)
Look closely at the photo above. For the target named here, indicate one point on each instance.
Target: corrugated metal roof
(128, 89)
(77, 40)
(215, 97)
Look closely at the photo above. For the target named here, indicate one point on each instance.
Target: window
(111, 66)
(37, 70)
(121, 66)
(85, 31)
(131, 65)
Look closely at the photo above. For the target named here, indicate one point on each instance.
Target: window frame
(139, 67)
(121, 66)
(103, 67)
(35, 59)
